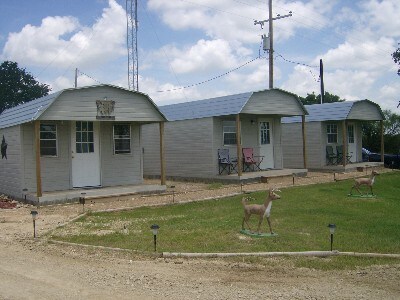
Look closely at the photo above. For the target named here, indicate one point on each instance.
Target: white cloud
(388, 96)
(230, 20)
(301, 82)
(367, 55)
(383, 16)
(205, 56)
(62, 41)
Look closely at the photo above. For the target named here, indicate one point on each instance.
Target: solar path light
(332, 228)
(34, 214)
(155, 228)
(82, 201)
(173, 193)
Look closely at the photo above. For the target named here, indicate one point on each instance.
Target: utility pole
(321, 77)
(76, 77)
(271, 40)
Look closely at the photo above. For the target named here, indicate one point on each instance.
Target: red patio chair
(251, 162)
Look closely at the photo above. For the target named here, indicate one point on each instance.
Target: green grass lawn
(300, 218)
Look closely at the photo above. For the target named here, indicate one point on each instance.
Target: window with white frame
(229, 132)
(122, 138)
(48, 139)
(332, 133)
(350, 133)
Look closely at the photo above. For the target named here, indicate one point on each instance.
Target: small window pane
(84, 148)
(78, 148)
(48, 152)
(91, 147)
(47, 135)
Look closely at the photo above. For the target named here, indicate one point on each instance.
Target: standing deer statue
(364, 181)
(262, 210)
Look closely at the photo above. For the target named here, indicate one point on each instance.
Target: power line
(211, 79)
(294, 62)
(82, 73)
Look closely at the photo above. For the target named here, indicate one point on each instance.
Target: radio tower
(131, 43)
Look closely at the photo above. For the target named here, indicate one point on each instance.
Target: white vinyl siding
(120, 169)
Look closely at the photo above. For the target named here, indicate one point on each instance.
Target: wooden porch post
(382, 141)
(37, 154)
(303, 131)
(344, 138)
(162, 157)
(239, 145)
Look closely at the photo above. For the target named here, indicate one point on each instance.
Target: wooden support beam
(303, 131)
(37, 155)
(382, 141)
(162, 156)
(344, 140)
(239, 146)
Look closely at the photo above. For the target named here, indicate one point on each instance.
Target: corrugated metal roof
(32, 110)
(220, 106)
(26, 112)
(324, 112)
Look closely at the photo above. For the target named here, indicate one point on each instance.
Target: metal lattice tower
(131, 43)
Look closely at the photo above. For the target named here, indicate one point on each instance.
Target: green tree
(396, 58)
(372, 134)
(18, 86)
(316, 99)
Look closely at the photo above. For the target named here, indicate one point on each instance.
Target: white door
(266, 144)
(351, 142)
(85, 154)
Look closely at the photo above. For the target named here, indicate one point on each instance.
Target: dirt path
(37, 270)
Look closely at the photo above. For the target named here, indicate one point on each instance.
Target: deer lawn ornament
(262, 210)
(364, 181)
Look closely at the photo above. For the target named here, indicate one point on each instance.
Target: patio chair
(339, 151)
(331, 157)
(225, 163)
(251, 162)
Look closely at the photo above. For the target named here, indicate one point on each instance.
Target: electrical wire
(82, 73)
(211, 79)
(294, 62)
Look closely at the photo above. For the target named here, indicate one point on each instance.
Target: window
(332, 133)
(350, 133)
(84, 137)
(264, 133)
(229, 132)
(48, 139)
(122, 138)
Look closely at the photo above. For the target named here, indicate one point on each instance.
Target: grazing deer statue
(364, 181)
(262, 210)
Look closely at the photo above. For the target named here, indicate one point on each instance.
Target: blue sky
(185, 42)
